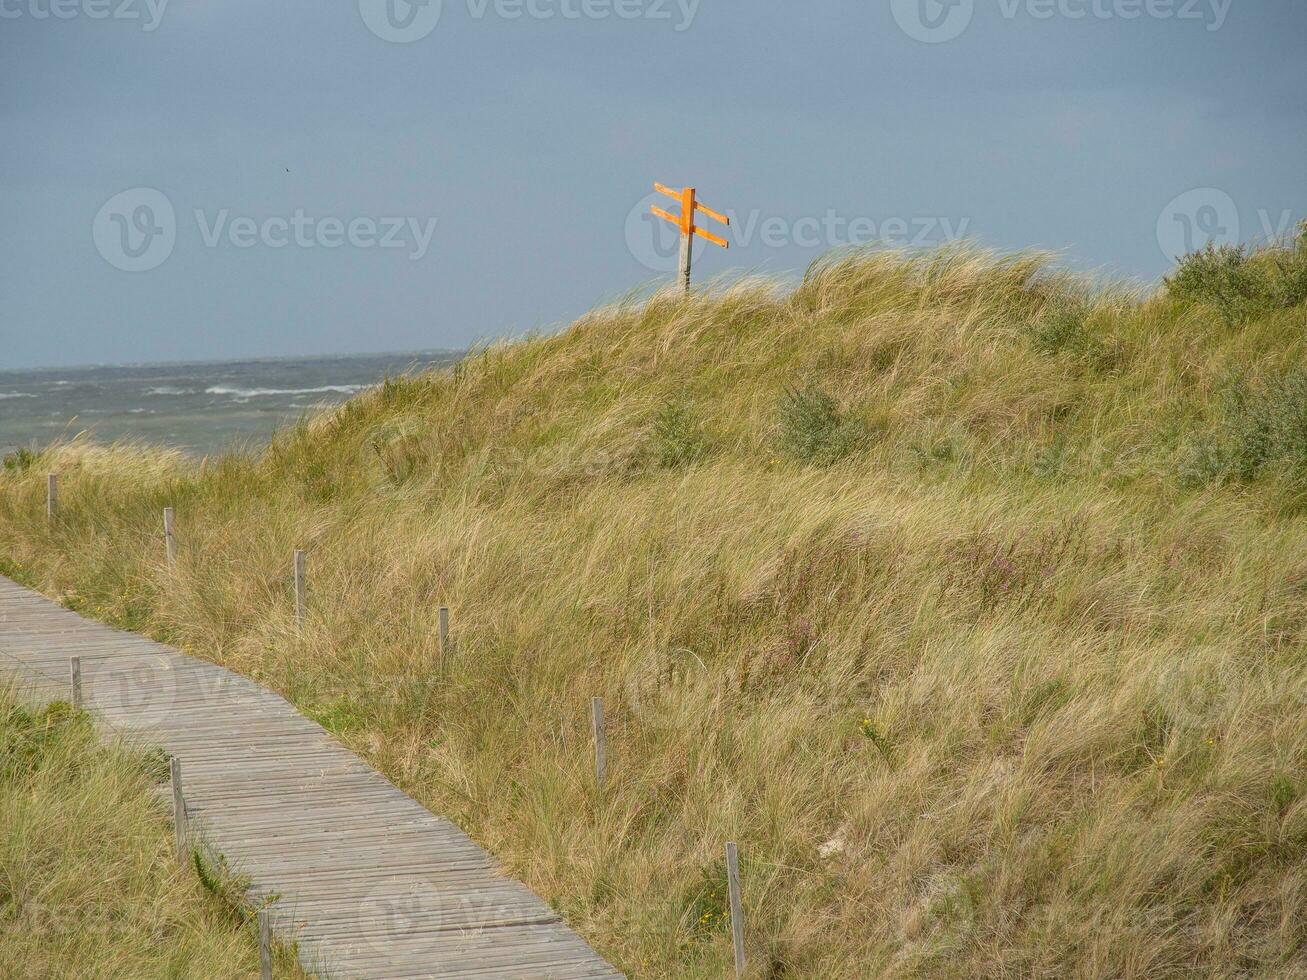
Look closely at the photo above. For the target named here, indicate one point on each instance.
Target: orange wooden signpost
(685, 221)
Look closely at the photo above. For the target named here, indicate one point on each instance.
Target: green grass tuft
(678, 436)
(813, 428)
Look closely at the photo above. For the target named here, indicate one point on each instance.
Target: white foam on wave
(168, 390)
(263, 392)
(16, 394)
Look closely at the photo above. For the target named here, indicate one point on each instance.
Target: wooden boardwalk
(365, 879)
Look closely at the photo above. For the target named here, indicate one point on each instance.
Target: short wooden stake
(75, 682)
(442, 629)
(737, 914)
(299, 587)
(51, 496)
(600, 739)
(178, 811)
(265, 946)
(169, 544)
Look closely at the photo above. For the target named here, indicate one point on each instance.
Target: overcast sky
(231, 178)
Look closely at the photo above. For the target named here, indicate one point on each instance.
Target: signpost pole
(687, 237)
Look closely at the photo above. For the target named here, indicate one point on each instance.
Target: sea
(203, 408)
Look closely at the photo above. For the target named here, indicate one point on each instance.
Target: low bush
(678, 437)
(813, 428)
(1259, 429)
(1240, 283)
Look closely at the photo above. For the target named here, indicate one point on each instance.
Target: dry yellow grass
(953, 589)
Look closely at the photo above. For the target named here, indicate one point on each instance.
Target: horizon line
(200, 362)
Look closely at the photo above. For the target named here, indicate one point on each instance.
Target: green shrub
(1221, 277)
(1240, 284)
(1288, 282)
(678, 436)
(813, 429)
(1258, 430)
(1061, 328)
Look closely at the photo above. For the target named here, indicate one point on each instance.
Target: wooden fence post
(75, 682)
(299, 587)
(169, 544)
(265, 946)
(600, 740)
(178, 810)
(737, 914)
(51, 496)
(442, 619)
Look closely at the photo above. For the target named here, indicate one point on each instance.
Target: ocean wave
(16, 394)
(263, 392)
(167, 390)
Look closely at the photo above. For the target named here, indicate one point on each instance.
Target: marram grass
(946, 585)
